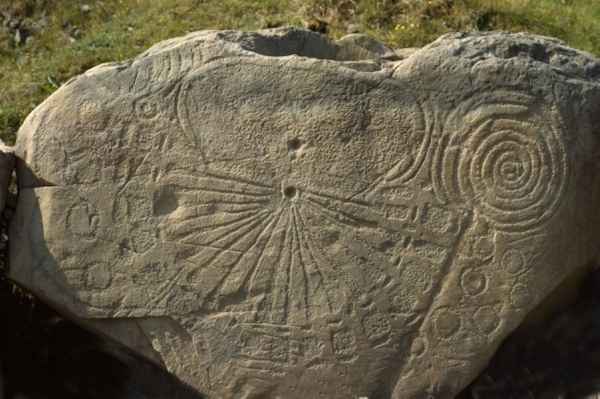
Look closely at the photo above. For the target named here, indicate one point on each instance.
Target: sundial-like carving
(256, 256)
(360, 234)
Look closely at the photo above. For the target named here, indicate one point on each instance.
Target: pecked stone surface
(281, 216)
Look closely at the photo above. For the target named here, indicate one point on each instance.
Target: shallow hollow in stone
(281, 42)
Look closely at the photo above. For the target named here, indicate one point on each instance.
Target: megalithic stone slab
(280, 218)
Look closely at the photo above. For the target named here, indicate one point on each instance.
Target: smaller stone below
(7, 165)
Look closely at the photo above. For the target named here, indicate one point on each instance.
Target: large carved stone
(279, 218)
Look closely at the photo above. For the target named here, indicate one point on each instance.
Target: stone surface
(281, 218)
(7, 167)
(557, 358)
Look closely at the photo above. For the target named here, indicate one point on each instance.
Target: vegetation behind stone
(43, 43)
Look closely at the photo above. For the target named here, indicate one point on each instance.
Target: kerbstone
(283, 216)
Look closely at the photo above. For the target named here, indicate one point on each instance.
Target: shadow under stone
(557, 359)
(45, 356)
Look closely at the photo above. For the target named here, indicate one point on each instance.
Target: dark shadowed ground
(558, 359)
(43, 356)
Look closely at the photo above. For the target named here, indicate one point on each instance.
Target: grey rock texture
(281, 216)
(7, 167)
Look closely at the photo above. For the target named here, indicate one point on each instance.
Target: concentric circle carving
(505, 157)
(473, 282)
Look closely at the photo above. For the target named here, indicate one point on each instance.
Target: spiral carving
(505, 156)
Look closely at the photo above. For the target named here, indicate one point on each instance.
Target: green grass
(73, 40)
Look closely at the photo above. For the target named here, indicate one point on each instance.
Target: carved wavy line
(337, 199)
(270, 228)
(253, 283)
(163, 292)
(313, 257)
(233, 193)
(346, 217)
(301, 263)
(197, 224)
(216, 256)
(193, 199)
(191, 213)
(252, 221)
(230, 179)
(278, 296)
(262, 228)
(257, 267)
(328, 215)
(233, 229)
